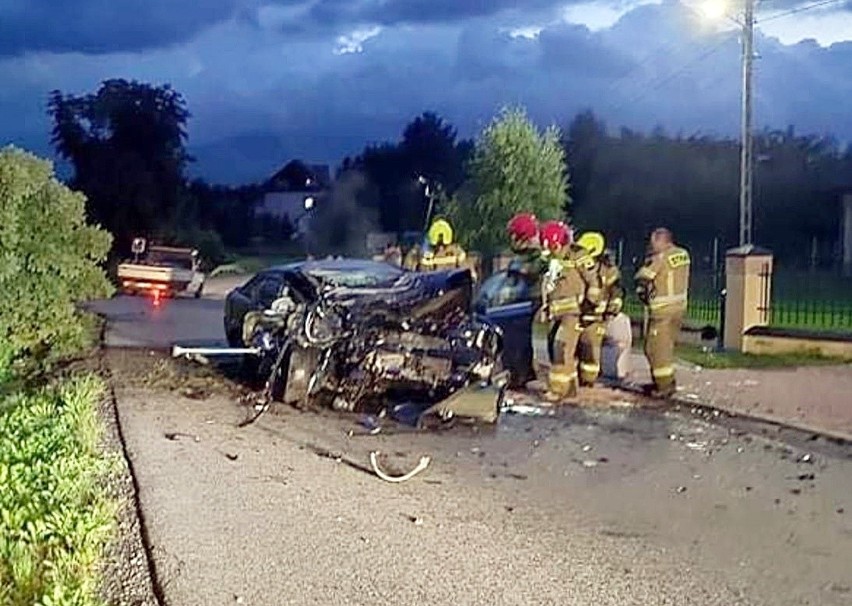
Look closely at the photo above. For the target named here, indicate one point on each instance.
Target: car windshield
(503, 289)
(361, 277)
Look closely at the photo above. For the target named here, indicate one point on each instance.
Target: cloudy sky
(267, 80)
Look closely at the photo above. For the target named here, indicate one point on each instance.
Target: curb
(838, 436)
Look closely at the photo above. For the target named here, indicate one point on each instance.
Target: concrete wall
(775, 345)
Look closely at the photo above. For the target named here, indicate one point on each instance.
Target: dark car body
(504, 299)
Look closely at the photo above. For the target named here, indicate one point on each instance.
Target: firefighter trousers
(591, 343)
(562, 380)
(659, 348)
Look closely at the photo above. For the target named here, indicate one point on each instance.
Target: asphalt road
(618, 506)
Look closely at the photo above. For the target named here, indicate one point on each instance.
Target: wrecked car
(351, 334)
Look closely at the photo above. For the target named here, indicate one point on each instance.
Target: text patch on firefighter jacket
(575, 285)
(663, 282)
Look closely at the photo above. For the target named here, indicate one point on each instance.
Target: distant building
(294, 192)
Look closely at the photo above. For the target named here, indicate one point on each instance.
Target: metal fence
(811, 300)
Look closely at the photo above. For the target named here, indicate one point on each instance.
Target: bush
(49, 260)
(55, 517)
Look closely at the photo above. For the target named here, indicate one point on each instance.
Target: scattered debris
(680, 489)
(587, 447)
(590, 463)
(371, 424)
(840, 510)
(795, 491)
(423, 464)
(806, 458)
(232, 457)
(529, 411)
(806, 476)
(702, 446)
(174, 436)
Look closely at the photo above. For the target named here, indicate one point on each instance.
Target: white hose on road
(374, 461)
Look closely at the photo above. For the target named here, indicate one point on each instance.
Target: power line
(672, 75)
(800, 9)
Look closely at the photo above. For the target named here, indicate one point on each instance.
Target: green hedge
(50, 259)
(55, 517)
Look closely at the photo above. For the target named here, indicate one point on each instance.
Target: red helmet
(523, 227)
(555, 235)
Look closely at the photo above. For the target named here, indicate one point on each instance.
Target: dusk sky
(318, 79)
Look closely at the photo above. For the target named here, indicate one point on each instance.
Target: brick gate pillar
(748, 282)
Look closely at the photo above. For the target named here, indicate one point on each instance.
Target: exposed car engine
(352, 348)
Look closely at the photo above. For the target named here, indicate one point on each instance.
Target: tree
(515, 168)
(586, 135)
(429, 148)
(49, 260)
(126, 143)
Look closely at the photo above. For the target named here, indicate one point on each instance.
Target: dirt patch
(153, 370)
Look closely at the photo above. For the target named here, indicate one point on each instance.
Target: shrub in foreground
(49, 260)
(55, 517)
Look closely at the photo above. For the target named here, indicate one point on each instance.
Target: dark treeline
(127, 145)
(626, 183)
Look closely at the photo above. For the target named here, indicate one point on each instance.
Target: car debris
(358, 348)
(529, 411)
(374, 462)
(175, 436)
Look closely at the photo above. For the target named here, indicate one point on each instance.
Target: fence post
(720, 337)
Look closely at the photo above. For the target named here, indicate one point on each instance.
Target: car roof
(332, 265)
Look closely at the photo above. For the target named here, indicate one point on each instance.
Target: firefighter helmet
(440, 230)
(523, 227)
(593, 242)
(555, 235)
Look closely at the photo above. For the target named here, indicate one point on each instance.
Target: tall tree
(127, 145)
(585, 136)
(515, 168)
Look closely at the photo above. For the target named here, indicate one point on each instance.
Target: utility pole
(747, 152)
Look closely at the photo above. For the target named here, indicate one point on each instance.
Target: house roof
(300, 176)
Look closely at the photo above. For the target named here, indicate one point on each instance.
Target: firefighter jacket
(605, 294)
(531, 265)
(663, 282)
(575, 285)
(450, 257)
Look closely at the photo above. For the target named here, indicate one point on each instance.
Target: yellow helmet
(593, 242)
(440, 229)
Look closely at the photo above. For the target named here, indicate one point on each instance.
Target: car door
(506, 299)
(256, 295)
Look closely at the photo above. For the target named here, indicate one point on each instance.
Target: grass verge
(55, 516)
(734, 359)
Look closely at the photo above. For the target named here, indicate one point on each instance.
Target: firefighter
(603, 302)
(525, 243)
(411, 261)
(662, 285)
(569, 276)
(445, 254)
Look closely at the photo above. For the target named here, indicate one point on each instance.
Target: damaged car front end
(357, 335)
